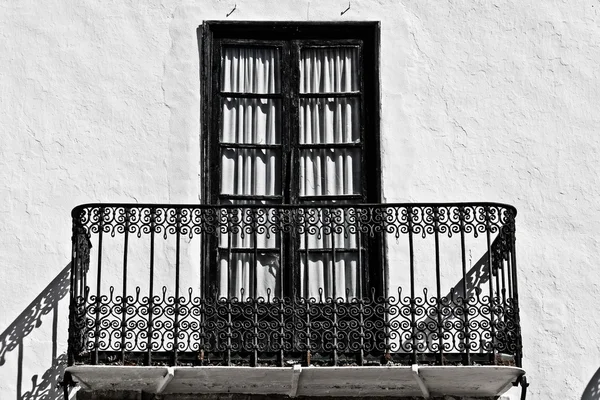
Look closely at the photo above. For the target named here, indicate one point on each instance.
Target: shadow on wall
(44, 387)
(476, 278)
(472, 285)
(592, 390)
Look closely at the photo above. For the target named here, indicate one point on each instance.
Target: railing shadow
(44, 387)
(592, 390)
(472, 285)
(477, 276)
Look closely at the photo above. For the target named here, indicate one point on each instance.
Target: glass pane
(318, 274)
(329, 120)
(250, 70)
(255, 121)
(251, 172)
(327, 172)
(325, 70)
(241, 272)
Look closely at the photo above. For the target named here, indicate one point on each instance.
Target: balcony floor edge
(296, 381)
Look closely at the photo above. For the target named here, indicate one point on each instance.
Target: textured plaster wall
(481, 100)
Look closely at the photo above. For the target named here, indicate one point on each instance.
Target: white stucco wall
(481, 101)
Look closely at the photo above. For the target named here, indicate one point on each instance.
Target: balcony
(384, 299)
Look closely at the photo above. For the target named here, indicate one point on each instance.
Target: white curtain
(324, 171)
(324, 70)
(250, 70)
(329, 171)
(247, 171)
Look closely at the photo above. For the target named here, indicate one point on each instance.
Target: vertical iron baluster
(230, 294)
(465, 299)
(361, 354)
(504, 264)
(359, 249)
(307, 302)
(413, 323)
(281, 332)
(303, 279)
(388, 299)
(436, 233)
(255, 290)
(281, 295)
(82, 264)
(177, 255)
(73, 294)
(306, 292)
(151, 287)
(203, 334)
(497, 264)
(509, 267)
(253, 273)
(229, 333)
(201, 237)
(304, 282)
(80, 300)
(76, 273)
(280, 237)
(491, 283)
(201, 285)
(98, 286)
(506, 317)
(498, 271)
(124, 292)
(515, 297)
(329, 215)
(333, 289)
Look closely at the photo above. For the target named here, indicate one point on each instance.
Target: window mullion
(215, 167)
(293, 191)
(294, 137)
(363, 160)
(214, 159)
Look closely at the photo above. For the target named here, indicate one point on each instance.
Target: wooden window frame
(289, 34)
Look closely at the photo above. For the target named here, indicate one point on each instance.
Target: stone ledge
(401, 382)
(139, 395)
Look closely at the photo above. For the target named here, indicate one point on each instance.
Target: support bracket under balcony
(68, 383)
(296, 370)
(166, 380)
(522, 380)
(415, 371)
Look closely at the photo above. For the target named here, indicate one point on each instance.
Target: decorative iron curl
(314, 220)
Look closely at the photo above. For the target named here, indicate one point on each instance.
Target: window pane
(318, 274)
(325, 70)
(334, 120)
(251, 172)
(250, 70)
(243, 228)
(241, 272)
(251, 121)
(329, 172)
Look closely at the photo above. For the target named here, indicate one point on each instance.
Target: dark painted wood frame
(288, 34)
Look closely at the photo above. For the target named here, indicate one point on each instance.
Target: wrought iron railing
(433, 284)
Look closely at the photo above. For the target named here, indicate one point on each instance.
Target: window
(290, 116)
